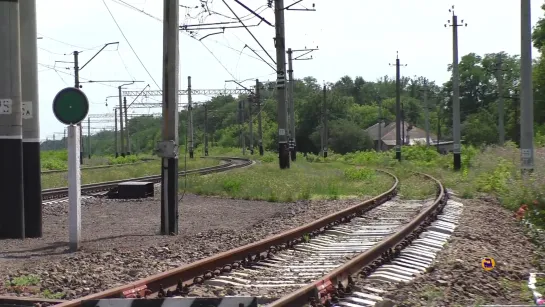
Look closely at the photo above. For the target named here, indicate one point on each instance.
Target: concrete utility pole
(128, 152)
(291, 84)
(205, 130)
(324, 123)
(427, 113)
(89, 137)
(259, 127)
(250, 125)
(404, 141)
(398, 108)
(168, 148)
(78, 86)
(501, 116)
(241, 123)
(12, 218)
(280, 44)
(526, 95)
(31, 120)
(115, 133)
(190, 117)
(379, 141)
(456, 147)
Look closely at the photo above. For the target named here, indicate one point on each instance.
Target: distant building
(387, 138)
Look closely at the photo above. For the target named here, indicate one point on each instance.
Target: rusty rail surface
(104, 186)
(321, 290)
(204, 268)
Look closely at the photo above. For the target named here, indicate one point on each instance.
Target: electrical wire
(125, 65)
(67, 44)
(227, 70)
(123, 34)
(62, 72)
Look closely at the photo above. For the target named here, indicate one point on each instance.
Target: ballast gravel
(457, 279)
(121, 241)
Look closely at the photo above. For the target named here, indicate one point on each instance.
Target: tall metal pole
(527, 98)
(190, 116)
(89, 137)
(379, 137)
(205, 130)
(324, 125)
(128, 152)
(291, 85)
(501, 116)
(250, 124)
(169, 169)
(78, 86)
(283, 149)
(398, 112)
(31, 120)
(456, 146)
(121, 135)
(12, 218)
(259, 126)
(403, 139)
(427, 113)
(115, 133)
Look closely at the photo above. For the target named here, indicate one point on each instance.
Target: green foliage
(354, 173)
(24, 281)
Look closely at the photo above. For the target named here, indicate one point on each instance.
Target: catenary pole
(30, 119)
(291, 85)
(190, 117)
(169, 146)
(259, 127)
(115, 133)
(501, 116)
(526, 94)
(89, 137)
(121, 135)
(456, 146)
(283, 149)
(427, 113)
(12, 219)
(250, 124)
(205, 130)
(128, 151)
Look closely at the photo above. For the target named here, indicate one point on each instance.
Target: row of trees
(353, 105)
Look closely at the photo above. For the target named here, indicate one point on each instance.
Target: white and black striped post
(12, 219)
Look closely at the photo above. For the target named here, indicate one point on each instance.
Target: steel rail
(104, 186)
(328, 283)
(207, 266)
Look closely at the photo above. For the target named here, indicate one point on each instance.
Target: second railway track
(230, 163)
(309, 264)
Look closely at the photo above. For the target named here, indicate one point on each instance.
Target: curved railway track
(86, 189)
(322, 287)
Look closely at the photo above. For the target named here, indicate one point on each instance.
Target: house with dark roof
(384, 135)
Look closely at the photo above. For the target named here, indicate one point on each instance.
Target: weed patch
(303, 180)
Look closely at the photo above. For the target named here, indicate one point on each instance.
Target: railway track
(311, 265)
(230, 163)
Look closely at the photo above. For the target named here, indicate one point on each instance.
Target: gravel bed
(457, 279)
(121, 241)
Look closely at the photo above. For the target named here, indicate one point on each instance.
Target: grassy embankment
(53, 180)
(304, 180)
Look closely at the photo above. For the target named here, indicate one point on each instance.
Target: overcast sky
(355, 38)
